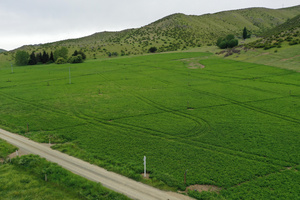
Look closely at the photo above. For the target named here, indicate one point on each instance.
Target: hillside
(2, 50)
(176, 32)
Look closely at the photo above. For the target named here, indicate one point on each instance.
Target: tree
(51, 57)
(152, 49)
(76, 53)
(32, 59)
(246, 33)
(39, 58)
(45, 57)
(21, 58)
(62, 52)
(228, 42)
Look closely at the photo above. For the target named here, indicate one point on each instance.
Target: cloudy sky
(41, 21)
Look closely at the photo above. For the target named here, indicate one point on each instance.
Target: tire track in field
(250, 107)
(208, 146)
(155, 133)
(214, 148)
(203, 126)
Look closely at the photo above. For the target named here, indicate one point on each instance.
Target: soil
(290, 58)
(147, 176)
(201, 188)
(21, 152)
(193, 65)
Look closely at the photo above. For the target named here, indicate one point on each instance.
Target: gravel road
(113, 181)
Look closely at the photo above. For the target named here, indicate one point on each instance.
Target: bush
(60, 60)
(293, 42)
(228, 42)
(152, 49)
(76, 59)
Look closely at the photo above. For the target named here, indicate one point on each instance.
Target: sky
(24, 22)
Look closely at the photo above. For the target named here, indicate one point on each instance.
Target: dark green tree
(152, 49)
(21, 58)
(51, 57)
(39, 58)
(76, 53)
(228, 42)
(45, 57)
(245, 33)
(32, 59)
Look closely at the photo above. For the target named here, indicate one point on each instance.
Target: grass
(228, 123)
(18, 184)
(24, 178)
(6, 149)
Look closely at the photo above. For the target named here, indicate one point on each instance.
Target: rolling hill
(176, 32)
(2, 50)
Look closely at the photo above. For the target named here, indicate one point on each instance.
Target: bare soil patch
(194, 65)
(290, 58)
(20, 152)
(147, 176)
(201, 188)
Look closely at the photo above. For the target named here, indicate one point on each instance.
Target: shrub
(76, 59)
(293, 42)
(228, 42)
(60, 60)
(152, 49)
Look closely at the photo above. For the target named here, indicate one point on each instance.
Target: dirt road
(113, 181)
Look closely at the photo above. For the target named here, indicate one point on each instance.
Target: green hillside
(176, 32)
(277, 47)
(2, 50)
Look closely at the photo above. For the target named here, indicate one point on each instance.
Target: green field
(231, 124)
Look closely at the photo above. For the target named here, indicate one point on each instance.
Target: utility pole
(12, 69)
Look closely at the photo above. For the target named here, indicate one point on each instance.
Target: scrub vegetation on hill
(172, 33)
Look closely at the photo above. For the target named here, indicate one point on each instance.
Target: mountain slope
(177, 31)
(2, 50)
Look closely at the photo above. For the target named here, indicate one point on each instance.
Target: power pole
(12, 69)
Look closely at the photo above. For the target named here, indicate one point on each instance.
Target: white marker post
(145, 166)
(69, 75)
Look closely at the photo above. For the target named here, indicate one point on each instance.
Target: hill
(176, 32)
(278, 47)
(2, 50)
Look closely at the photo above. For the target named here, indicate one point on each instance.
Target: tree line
(59, 56)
